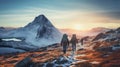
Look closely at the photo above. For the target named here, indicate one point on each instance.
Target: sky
(64, 14)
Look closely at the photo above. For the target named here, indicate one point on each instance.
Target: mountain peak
(41, 18)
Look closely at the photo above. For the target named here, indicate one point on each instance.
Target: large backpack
(64, 39)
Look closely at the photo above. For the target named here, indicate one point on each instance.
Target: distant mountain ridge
(91, 32)
(113, 33)
(109, 40)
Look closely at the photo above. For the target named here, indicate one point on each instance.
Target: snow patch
(4, 50)
(11, 39)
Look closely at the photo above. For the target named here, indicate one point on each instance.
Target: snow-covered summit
(41, 18)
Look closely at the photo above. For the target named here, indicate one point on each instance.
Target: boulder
(50, 65)
(24, 63)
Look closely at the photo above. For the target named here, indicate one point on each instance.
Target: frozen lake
(11, 39)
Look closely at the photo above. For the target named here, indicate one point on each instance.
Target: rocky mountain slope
(109, 39)
(40, 32)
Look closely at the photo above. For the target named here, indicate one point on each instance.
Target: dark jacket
(65, 41)
(74, 41)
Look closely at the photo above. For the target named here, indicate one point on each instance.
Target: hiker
(82, 41)
(65, 43)
(74, 41)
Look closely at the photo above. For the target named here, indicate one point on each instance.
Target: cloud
(106, 4)
(108, 8)
(114, 15)
(88, 13)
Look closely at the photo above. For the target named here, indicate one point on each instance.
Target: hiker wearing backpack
(82, 41)
(74, 41)
(65, 43)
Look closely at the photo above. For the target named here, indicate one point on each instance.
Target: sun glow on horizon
(78, 27)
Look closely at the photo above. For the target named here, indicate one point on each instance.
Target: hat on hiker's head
(74, 35)
(65, 35)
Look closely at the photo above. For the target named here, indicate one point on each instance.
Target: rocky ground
(52, 57)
